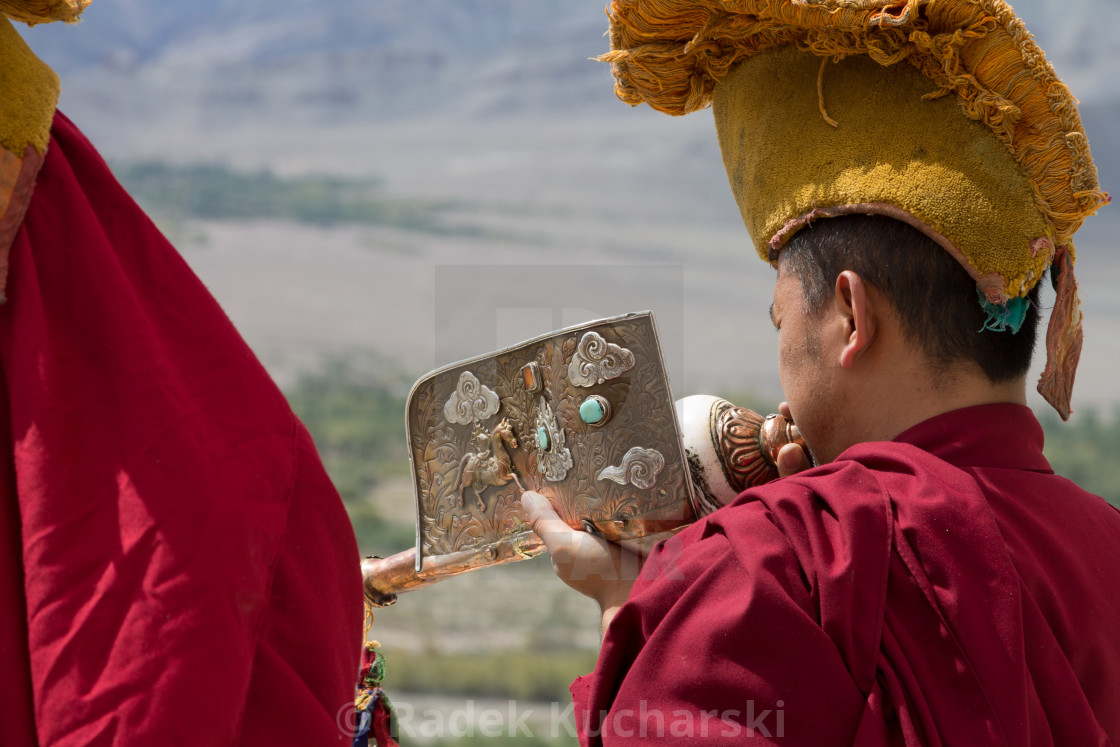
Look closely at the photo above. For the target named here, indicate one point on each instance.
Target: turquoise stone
(591, 411)
(542, 438)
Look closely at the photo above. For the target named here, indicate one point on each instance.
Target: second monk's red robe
(944, 588)
(175, 566)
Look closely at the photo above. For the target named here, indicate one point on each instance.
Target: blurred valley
(490, 118)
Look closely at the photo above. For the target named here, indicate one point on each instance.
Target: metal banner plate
(583, 415)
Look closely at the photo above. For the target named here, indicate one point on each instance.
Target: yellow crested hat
(43, 11)
(942, 113)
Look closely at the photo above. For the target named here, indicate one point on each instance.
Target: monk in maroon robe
(912, 170)
(931, 582)
(176, 566)
(941, 588)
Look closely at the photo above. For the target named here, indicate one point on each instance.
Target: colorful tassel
(375, 712)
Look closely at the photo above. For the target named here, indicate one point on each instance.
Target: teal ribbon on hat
(1003, 317)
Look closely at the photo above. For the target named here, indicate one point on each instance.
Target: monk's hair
(934, 296)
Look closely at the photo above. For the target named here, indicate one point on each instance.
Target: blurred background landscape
(326, 167)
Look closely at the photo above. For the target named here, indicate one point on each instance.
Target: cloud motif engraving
(639, 467)
(471, 401)
(597, 360)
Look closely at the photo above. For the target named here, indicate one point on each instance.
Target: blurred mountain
(217, 63)
(355, 58)
(210, 32)
(470, 56)
(491, 105)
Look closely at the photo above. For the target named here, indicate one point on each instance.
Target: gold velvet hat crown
(28, 95)
(942, 113)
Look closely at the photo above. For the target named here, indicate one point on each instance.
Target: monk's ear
(857, 314)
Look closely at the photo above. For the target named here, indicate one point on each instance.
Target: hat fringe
(670, 54)
(32, 12)
(1064, 337)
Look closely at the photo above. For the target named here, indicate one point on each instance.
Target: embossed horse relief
(586, 418)
(491, 465)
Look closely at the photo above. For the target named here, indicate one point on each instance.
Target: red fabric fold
(189, 574)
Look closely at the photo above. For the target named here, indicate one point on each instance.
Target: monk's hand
(791, 457)
(591, 565)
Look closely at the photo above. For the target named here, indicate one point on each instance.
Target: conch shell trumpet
(729, 449)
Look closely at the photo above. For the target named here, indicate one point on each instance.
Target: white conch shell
(697, 415)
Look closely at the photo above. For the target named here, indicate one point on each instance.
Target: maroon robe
(175, 566)
(943, 588)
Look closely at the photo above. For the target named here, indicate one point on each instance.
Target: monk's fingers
(784, 411)
(560, 539)
(791, 460)
(577, 557)
(545, 521)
